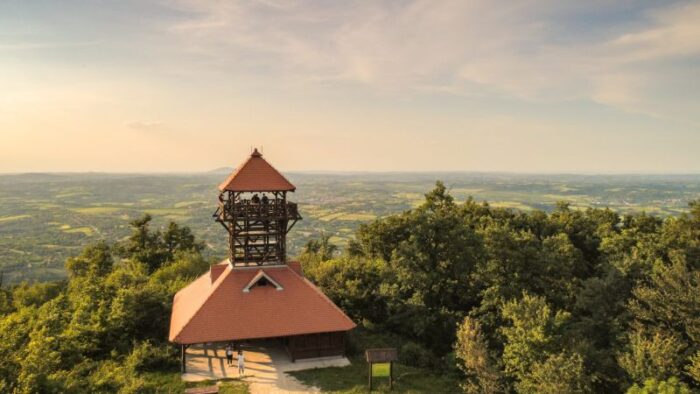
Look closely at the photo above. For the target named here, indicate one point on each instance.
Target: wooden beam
(183, 360)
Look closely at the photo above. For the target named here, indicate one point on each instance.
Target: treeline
(574, 301)
(105, 328)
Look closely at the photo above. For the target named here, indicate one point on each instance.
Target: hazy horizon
(369, 172)
(416, 86)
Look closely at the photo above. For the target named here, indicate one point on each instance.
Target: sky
(518, 86)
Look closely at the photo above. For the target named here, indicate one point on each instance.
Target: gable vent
(262, 279)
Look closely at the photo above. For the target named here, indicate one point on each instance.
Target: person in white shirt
(241, 363)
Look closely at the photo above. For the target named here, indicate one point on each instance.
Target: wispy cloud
(517, 49)
(469, 84)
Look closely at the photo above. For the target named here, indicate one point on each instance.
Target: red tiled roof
(222, 311)
(296, 266)
(256, 175)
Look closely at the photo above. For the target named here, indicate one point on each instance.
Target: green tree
(356, 284)
(654, 386)
(559, 373)
(319, 249)
(156, 248)
(433, 268)
(36, 294)
(95, 261)
(650, 355)
(481, 368)
(534, 353)
(103, 328)
(693, 368)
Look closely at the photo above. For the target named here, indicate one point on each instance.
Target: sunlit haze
(522, 86)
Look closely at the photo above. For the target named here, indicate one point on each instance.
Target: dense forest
(572, 301)
(104, 329)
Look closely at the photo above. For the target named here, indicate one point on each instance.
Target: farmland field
(44, 218)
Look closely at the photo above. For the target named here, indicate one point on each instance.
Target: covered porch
(266, 364)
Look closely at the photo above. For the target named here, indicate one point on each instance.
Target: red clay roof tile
(256, 175)
(221, 311)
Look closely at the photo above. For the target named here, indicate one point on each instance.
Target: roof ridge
(233, 174)
(278, 171)
(215, 286)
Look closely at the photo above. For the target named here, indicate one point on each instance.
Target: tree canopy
(106, 325)
(575, 300)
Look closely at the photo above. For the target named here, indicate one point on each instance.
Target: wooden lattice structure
(253, 208)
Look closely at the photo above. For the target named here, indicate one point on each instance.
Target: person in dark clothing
(229, 355)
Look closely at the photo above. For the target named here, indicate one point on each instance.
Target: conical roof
(256, 175)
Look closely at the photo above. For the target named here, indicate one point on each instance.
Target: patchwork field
(44, 218)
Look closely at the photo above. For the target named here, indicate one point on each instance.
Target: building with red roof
(256, 293)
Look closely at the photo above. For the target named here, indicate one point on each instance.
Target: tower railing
(247, 210)
(257, 228)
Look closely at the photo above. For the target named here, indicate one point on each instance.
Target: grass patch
(354, 378)
(409, 196)
(72, 194)
(13, 218)
(337, 240)
(166, 211)
(463, 191)
(360, 216)
(44, 206)
(186, 204)
(87, 231)
(95, 210)
(52, 246)
(171, 382)
(331, 216)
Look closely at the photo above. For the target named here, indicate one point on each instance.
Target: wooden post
(370, 376)
(391, 375)
(183, 359)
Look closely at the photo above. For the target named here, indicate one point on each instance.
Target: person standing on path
(229, 355)
(241, 363)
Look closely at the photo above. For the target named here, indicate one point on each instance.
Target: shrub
(416, 355)
(148, 357)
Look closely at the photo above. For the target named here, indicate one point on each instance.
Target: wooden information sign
(381, 364)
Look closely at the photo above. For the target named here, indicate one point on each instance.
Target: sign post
(381, 364)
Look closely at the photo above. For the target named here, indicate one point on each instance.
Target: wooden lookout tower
(256, 293)
(253, 208)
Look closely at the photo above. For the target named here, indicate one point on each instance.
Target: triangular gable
(260, 275)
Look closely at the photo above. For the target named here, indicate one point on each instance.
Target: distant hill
(221, 170)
